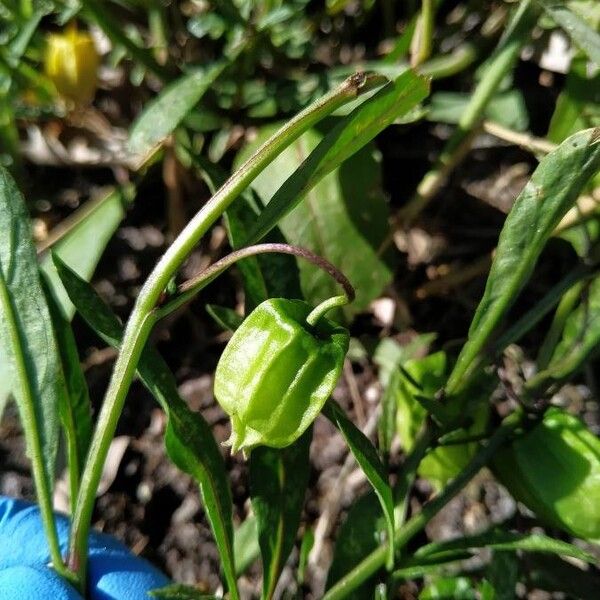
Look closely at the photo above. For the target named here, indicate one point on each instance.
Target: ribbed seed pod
(277, 372)
(554, 470)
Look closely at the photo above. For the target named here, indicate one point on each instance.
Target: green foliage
(204, 78)
(579, 31)
(549, 194)
(425, 378)
(170, 107)
(26, 335)
(366, 456)
(358, 536)
(84, 242)
(74, 403)
(278, 481)
(189, 441)
(310, 169)
(553, 469)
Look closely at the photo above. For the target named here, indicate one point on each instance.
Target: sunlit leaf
(27, 340)
(189, 440)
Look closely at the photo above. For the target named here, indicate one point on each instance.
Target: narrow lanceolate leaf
(368, 459)
(161, 116)
(188, 439)
(580, 339)
(550, 193)
(225, 317)
(74, 407)
(502, 575)
(332, 220)
(81, 247)
(278, 481)
(27, 341)
(245, 544)
(179, 591)
(503, 540)
(351, 134)
(357, 538)
(578, 30)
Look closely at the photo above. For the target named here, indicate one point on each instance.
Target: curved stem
(192, 286)
(325, 306)
(140, 322)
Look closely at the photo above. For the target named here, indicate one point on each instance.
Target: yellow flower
(71, 62)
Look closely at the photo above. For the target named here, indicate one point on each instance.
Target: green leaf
(578, 30)
(358, 537)
(26, 336)
(225, 317)
(507, 108)
(578, 106)
(449, 588)
(333, 222)
(389, 354)
(550, 193)
(308, 541)
(179, 591)
(549, 572)
(349, 135)
(503, 575)
(188, 439)
(266, 276)
(368, 459)
(414, 394)
(74, 406)
(504, 540)
(162, 115)
(278, 482)
(580, 339)
(85, 242)
(245, 544)
(338, 226)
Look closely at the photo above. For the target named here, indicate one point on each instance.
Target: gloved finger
(115, 576)
(28, 583)
(22, 537)
(114, 573)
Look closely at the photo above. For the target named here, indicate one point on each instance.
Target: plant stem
(323, 308)
(375, 561)
(30, 425)
(192, 286)
(524, 140)
(409, 469)
(143, 315)
(500, 64)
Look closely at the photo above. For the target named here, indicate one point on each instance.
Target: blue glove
(114, 573)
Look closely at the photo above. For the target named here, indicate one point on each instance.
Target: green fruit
(554, 470)
(277, 372)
